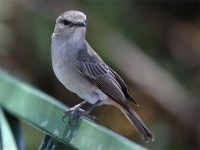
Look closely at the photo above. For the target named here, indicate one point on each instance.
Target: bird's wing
(124, 87)
(93, 68)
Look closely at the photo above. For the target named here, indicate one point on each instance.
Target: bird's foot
(76, 113)
(74, 109)
(85, 114)
(71, 110)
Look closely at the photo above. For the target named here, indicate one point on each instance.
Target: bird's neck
(75, 41)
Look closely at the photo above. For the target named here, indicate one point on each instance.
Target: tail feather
(139, 125)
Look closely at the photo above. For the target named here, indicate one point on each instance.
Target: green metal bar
(7, 137)
(15, 126)
(45, 113)
(49, 143)
(45, 142)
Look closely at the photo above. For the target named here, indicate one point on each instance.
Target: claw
(64, 115)
(67, 112)
(78, 112)
(84, 114)
(75, 116)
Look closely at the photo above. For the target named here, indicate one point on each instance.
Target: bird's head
(71, 22)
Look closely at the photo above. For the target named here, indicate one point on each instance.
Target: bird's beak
(79, 24)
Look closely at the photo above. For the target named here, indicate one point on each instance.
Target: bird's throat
(77, 38)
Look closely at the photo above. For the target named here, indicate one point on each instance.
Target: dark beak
(79, 24)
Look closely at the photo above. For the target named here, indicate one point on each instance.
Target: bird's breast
(64, 66)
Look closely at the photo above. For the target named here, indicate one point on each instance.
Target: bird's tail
(137, 122)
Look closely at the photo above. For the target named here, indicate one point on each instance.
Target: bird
(81, 70)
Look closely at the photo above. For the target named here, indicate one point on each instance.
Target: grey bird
(80, 69)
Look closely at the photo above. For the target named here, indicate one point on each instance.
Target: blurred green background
(153, 45)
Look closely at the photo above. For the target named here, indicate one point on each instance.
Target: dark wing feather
(100, 75)
(95, 70)
(124, 87)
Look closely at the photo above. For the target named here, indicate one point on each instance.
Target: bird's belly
(68, 77)
(77, 83)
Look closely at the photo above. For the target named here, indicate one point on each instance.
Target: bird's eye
(66, 22)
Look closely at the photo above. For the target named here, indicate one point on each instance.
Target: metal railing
(22, 102)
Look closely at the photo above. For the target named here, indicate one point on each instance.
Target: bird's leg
(92, 107)
(86, 113)
(74, 109)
